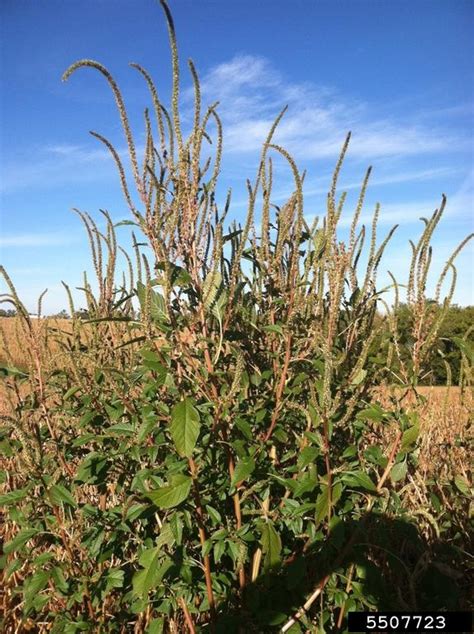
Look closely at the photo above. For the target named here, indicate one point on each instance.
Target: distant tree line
(62, 314)
(455, 336)
(456, 333)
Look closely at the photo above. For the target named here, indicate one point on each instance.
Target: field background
(445, 412)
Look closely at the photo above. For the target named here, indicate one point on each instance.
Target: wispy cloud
(80, 153)
(35, 240)
(252, 92)
(59, 164)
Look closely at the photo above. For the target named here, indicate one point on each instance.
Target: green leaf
(153, 571)
(219, 549)
(271, 546)
(70, 393)
(126, 222)
(169, 496)
(375, 412)
(219, 305)
(166, 536)
(466, 348)
(20, 540)
(136, 510)
(59, 580)
(307, 456)
(462, 485)
(273, 328)
(120, 429)
(213, 514)
(179, 276)
(155, 627)
(114, 578)
(398, 471)
(157, 306)
(12, 497)
(322, 504)
(176, 526)
(10, 370)
(153, 362)
(305, 484)
(92, 469)
(58, 494)
(33, 585)
(244, 427)
(185, 427)
(409, 437)
(242, 470)
(359, 479)
(359, 377)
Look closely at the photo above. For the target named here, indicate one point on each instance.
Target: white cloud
(34, 240)
(59, 164)
(252, 92)
(79, 153)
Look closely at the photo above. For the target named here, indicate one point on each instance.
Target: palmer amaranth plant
(217, 461)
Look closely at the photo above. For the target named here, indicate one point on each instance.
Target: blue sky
(398, 74)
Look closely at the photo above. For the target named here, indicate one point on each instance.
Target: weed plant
(208, 462)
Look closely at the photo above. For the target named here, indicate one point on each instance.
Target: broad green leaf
(59, 579)
(271, 546)
(375, 412)
(359, 377)
(120, 429)
(136, 510)
(409, 437)
(462, 485)
(176, 528)
(153, 571)
(20, 540)
(466, 348)
(244, 427)
(34, 584)
(157, 306)
(12, 497)
(273, 328)
(185, 427)
(114, 413)
(219, 549)
(155, 627)
(169, 496)
(219, 305)
(305, 484)
(114, 578)
(179, 276)
(307, 456)
(92, 469)
(213, 514)
(322, 501)
(58, 494)
(359, 479)
(152, 361)
(398, 471)
(322, 505)
(242, 470)
(314, 415)
(166, 536)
